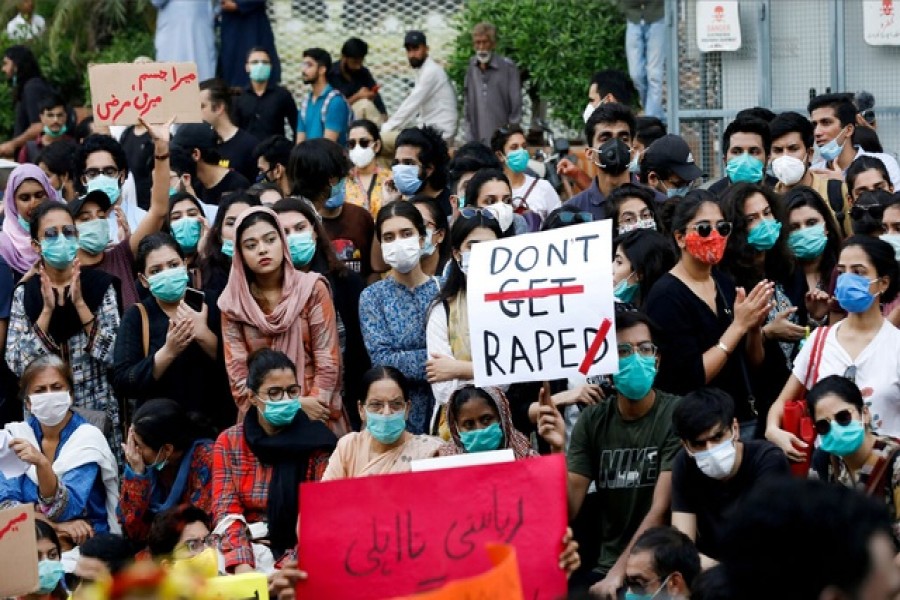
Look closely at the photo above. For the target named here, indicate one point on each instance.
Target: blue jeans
(645, 49)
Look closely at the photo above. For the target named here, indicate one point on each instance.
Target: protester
(102, 557)
(272, 159)
(214, 261)
(419, 166)
(264, 106)
(632, 207)
(324, 112)
(181, 532)
(529, 193)
(236, 145)
(667, 165)
(641, 257)
(57, 161)
(866, 174)
(493, 91)
(201, 143)
(436, 251)
(51, 573)
(663, 563)
(490, 189)
(242, 27)
(746, 144)
(366, 181)
(185, 32)
(355, 82)
(22, 71)
(188, 227)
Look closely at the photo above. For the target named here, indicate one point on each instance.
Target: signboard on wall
(881, 22)
(718, 26)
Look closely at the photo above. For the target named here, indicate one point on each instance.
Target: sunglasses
(68, 231)
(705, 228)
(843, 418)
(363, 143)
(858, 213)
(567, 218)
(471, 213)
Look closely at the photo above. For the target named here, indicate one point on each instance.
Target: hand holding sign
(550, 425)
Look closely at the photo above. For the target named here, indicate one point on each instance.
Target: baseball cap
(97, 196)
(414, 39)
(195, 135)
(671, 152)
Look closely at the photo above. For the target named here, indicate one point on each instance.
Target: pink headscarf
(283, 323)
(15, 242)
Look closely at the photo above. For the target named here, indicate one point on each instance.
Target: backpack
(304, 105)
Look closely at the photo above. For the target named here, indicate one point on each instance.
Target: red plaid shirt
(241, 487)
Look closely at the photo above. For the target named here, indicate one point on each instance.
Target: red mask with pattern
(709, 249)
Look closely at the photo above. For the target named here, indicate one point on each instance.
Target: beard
(309, 80)
(415, 63)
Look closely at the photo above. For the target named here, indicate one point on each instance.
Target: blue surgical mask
(482, 440)
(186, 232)
(59, 252)
(107, 185)
(302, 247)
(809, 242)
(517, 160)
(50, 573)
(852, 292)
(169, 285)
(336, 200)
(678, 192)
(634, 167)
(832, 149)
(843, 440)
(764, 235)
(636, 376)
(429, 247)
(281, 412)
(55, 134)
(228, 248)
(387, 429)
(260, 72)
(406, 179)
(744, 168)
(24, 223)
(624, 290)
(93, 236)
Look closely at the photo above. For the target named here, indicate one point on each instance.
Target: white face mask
(718, 461)
(50, 408)
(588, 111)
(362, 157)
(403, 254)
(504, 214)
(788, 170)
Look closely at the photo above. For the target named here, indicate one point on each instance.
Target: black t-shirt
(351, 234)
(231, 182)
(27, 107)
(238, 151)
(264, 116)
(358, 80)
(714, 501)
(139, 154)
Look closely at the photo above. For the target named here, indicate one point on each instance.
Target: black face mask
(613, 156)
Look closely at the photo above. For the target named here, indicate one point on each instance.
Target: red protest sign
(121, 93)
(394, 535)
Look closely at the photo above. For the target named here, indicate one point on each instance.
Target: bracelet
(723, 348)
(161, 156)
(91, 322)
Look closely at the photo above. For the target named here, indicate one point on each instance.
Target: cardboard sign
(718, 26)
(416, 532)
(541, 305)
(881, 22)
(245, 586)
(122, 92)
(18, 547)
(501, 582)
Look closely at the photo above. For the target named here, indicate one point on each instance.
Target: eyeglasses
(68, 231)
(644, 349)
(471, 213)
(363, 143)
(843, 418)
(197, 545)
(277, 393)
(850, 373)
(377, 406)
(567, 217)
(858, 212)
(705, 228)
(108, 171)
(636, 586)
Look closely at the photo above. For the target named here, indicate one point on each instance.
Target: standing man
(264, 106)
(355, 82)
(236, 147)
(432, 101)
(324, 112)
(244, 24)
(645, 49)
(493, 91)
(185, 32)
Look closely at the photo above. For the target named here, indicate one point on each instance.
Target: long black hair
(440, 224)
(882, 256)
(27, 67)
(651, 255)
(162, 421)
(801, 196)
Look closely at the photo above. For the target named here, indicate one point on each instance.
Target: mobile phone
(194, 298)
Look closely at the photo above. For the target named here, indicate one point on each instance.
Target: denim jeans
(645, 48)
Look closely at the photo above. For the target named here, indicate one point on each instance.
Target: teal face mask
(93, 236)
(172, 191)
(158, 465)
(636, 376)
(186, 232)
(809, 242)
(59, 252)
(629, 595)
(302, 247)
(25, 224)
(50, 573)
(625, 291)
(169, 285)
(260, 72)
(517, 160)
(843, 440)
(744, 169)
(387, 429)
(228, 248)
(764, 235)
(55, 134)
(281, 412)
(107, 185)
(482, 440)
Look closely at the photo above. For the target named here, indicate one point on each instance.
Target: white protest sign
(718, 26)
(881, 23)
(541, 305)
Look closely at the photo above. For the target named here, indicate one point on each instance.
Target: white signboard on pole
(881, 23)
(718, 26)
(541, 305)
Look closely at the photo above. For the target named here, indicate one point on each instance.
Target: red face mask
(708, 250)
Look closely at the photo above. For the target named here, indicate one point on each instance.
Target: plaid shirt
(241, 487)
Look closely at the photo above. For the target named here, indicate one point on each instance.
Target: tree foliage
(558, 45)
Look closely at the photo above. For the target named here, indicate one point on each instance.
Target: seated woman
(169, 456)
(259, 463)
(855, 456)
(384, 446)
(71, 473)
(181, 532)
(51, 574)
(187, 224)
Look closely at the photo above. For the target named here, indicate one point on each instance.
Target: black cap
(671, 152)
(97, 196)
(414, 39)
(195, 135)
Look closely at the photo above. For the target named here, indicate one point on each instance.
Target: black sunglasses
(363, 143)
(843, 418)
(470, 213)
(68, 231)
(705, 229)
(858, 213)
